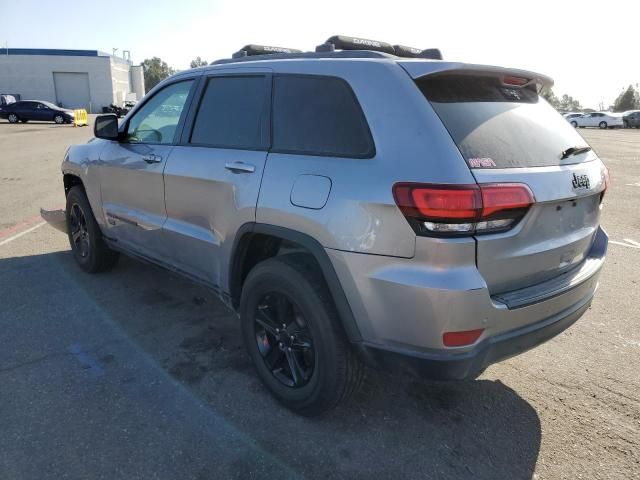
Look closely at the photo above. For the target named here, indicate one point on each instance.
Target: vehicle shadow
(396, 426)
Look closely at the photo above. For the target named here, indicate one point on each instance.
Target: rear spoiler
(420, 68)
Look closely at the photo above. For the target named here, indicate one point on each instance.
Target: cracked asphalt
(139, 374)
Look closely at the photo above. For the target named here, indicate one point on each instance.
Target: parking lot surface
(137, 373)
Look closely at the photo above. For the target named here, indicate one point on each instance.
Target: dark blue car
(37, 110)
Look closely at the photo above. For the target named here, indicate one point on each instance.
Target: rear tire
(13, 118)
(603, 125)
(329, 369)
(89, 249)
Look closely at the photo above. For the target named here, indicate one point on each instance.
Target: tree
(627, 100)
(550, 97)
(198, 62)
(155, 70)
(569, 104)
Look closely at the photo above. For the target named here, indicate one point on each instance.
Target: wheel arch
(242, 260)
(71, 180)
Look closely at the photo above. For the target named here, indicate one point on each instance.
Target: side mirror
(106, 127)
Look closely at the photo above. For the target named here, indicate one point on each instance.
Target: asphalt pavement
(140, 374)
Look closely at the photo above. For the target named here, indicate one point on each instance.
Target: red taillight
(446, 202)
(460, 339)
(462, 209)
(504, 196)
(513, 80)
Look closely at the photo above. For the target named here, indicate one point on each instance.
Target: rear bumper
(468, 365)
(403, 307)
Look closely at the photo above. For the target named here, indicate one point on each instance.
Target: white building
(71, 78)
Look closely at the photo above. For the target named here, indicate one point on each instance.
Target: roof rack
(290, 56)
(411, 52)
(252, 49)
(337, 46)
(342, 42)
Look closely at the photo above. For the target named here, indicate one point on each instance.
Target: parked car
(571, 115)
(6, 99)
(631, 119)
(597, 119)
(352, 206)
(38, 110)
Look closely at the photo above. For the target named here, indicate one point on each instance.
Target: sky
(591, 49)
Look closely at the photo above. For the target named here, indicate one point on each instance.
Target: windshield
(499, 126)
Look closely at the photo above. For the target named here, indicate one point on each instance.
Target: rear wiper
(574, 151)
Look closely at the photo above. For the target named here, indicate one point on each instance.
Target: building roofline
(58, 53)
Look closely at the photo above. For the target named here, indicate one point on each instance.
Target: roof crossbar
(343, 42)
(411, 52)
(252, 49)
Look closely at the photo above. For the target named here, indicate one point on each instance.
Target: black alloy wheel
(79, 231)
(284, 340)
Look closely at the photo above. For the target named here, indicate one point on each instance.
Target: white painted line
(18, 235)
(624, 244)
(633, 184)
(632, 242)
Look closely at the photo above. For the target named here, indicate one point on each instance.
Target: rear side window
(315, 115)
(232, 113)
(496, 125)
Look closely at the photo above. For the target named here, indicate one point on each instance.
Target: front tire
(292, 333)
(88, 247)
(574, 124)
(603, 125)
(13, 118)
(59, 119)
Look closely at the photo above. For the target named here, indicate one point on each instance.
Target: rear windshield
(500, 126)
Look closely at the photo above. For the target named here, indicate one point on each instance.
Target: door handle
(240, 167)
(152, 158)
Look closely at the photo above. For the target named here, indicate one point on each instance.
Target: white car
(597, 119)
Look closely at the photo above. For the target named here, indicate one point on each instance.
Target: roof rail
(342, 42)
(411, 52)
(289, 56)
(252, 49)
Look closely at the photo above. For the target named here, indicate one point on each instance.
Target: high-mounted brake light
(462, 209)
(516, 81)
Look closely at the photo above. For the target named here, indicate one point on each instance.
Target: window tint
(499, 126)
(231, 113)
(157, 120)
(318, 116)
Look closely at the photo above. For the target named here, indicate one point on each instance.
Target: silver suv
(377, 206)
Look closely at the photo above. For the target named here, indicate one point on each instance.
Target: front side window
(232, 113)
(157, 120)
(315, 115)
